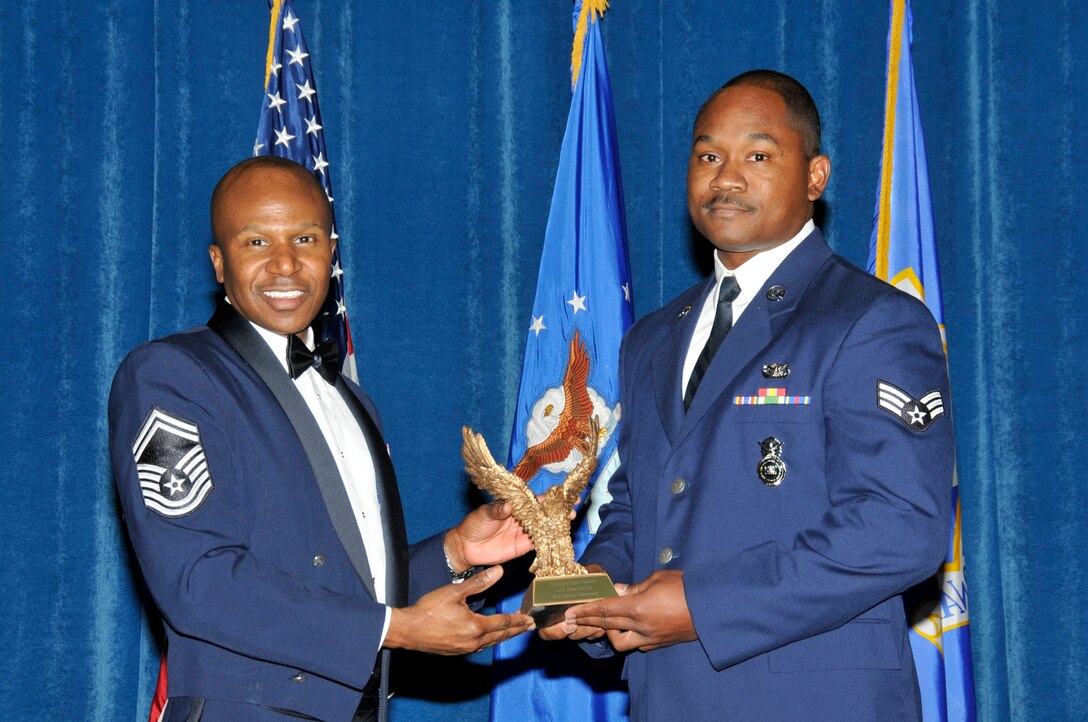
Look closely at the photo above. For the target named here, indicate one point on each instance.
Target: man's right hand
(571, 630)
(441, 622)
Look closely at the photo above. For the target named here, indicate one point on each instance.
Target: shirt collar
(278, 342)
(753, 273)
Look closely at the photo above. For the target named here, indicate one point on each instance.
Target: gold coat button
(678, 485)
(665, 556)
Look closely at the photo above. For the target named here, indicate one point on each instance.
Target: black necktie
(323, 358)
(723, 321)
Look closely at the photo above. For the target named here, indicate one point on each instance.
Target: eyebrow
(763, 136)
(304, 226)
(751, 136)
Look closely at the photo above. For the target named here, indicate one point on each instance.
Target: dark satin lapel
(756, 326)
(396, 538)
(237, 332)
(668, 359)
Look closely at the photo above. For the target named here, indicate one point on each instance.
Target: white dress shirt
(351, 453)
(750, 275)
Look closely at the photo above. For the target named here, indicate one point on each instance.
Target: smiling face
(273, 249)
(750, 185)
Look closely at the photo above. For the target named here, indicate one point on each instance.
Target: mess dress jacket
(794, 589)
(244, 532)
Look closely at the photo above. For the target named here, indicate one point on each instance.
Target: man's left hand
(648, 615)
(488, 535)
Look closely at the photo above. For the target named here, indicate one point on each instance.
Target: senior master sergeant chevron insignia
(173, 471)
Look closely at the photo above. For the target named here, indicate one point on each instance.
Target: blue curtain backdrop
(444, 122)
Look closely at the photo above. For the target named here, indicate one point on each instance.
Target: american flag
(290, 127)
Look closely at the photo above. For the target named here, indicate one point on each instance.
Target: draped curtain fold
(444, 122)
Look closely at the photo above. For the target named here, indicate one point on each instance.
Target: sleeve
(888, 485)
(170, 419)
(427, 568)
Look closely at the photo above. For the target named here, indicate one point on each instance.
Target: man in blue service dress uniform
(786, 453)
(260, 497)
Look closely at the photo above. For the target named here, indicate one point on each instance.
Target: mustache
(728, 201)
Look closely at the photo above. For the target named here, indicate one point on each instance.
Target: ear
(216, 254)
(819, 170)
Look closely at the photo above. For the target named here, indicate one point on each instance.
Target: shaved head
(250, 165)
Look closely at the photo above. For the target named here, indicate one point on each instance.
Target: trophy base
(549, 597)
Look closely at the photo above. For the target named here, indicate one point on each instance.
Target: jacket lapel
(238, 333)
(757, 326)
(750, 334)
(396, 538)
(668, 358)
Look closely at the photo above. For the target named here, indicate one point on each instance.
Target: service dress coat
(244, 532)
(794, 587)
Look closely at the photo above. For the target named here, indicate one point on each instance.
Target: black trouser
(368, 705)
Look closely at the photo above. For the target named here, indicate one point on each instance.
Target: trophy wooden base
(549, 597)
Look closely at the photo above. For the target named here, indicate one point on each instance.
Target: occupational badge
(776, 371)
(918, 414)
(771, 469)
(684, 311)
(170, 462)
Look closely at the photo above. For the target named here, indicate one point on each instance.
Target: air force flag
(584, 289)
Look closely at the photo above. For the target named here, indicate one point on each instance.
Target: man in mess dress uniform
(259, 494)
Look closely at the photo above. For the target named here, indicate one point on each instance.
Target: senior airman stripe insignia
(918, 414)
(170, 462)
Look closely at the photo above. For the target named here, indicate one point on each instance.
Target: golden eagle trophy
(559, 580)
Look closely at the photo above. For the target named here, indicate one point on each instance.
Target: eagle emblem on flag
(572, 425)
(170, 462)
(918, 414)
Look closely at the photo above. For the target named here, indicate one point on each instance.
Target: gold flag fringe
(884, 220)
(277, 6)
(597, 8)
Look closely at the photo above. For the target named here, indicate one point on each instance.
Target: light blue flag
(903, 252)
(583, 290)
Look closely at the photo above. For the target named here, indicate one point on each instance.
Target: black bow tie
(323, 358)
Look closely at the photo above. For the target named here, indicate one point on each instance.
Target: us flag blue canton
(584, 289)
(290, 127)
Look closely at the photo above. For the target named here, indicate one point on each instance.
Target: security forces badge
(170, 461)
(918, 414)
(772, 468)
